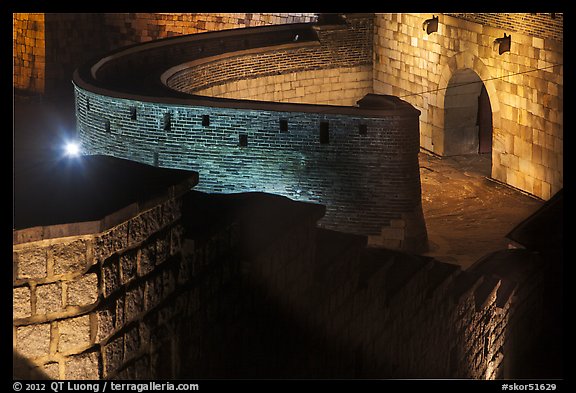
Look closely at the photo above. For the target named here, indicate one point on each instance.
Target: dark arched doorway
(467, 115)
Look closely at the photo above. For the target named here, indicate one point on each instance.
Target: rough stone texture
(34, 340)
(111, 241)
(52, 370)
(74, 334)
(29, 46)
(105, 321)
(128, 266)
(48, 298)
(64, 338)
(22, 306)
(111, 276)
(69, 257)
(83, 367)
(113, 354)
(31, 263)
(134, 302)
(83, 291)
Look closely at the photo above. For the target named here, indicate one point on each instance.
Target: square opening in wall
(362, 129)
(324, 133)
(167, 122)
(243, 140)
(283, 125)
(133, 115)
(205, 120)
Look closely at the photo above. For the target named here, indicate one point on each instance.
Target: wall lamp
(503, 44)
(430, 25)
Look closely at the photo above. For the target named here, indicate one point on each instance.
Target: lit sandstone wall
(317, 77)
(527, 109)
(29, 60)
(131, 28)
(79, 299)
(49, 46)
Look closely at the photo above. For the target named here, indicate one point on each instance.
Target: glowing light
(72, 149)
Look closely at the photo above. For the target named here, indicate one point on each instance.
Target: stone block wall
(206, 287)
(541, 25)
(307, 153)
(337, 71)
(364, 313)
(335, 86)
(525, 87)
(131, 28)
(49, 46)
(239, 150)
(79, 300)
(29, 52)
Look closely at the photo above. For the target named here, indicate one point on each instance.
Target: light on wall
(503, 44)
(430, 25)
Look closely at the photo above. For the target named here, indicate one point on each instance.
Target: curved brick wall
(48, 47)
(336, 86)
(362, 163)
(336, 72)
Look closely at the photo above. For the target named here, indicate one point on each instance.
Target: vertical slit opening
(324, 133)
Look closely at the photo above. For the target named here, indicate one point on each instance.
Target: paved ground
(467, 215)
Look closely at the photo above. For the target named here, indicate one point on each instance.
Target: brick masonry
(270, 148)
(292, 163)
(48, 47)
(336, 86)
(29, 52)
(527, 106)
(541, 25)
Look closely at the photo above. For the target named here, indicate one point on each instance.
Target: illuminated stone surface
(242, 149)
(339, 291)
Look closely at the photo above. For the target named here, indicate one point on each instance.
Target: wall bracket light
(503, 44)
(430, 25)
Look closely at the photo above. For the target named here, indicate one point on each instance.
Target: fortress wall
(337, 72)
(289, 161)
(29, 56)
(179, 292)
(49, 46)
(314, 154)
(335, 86)
(78, 300)
(525, 86)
